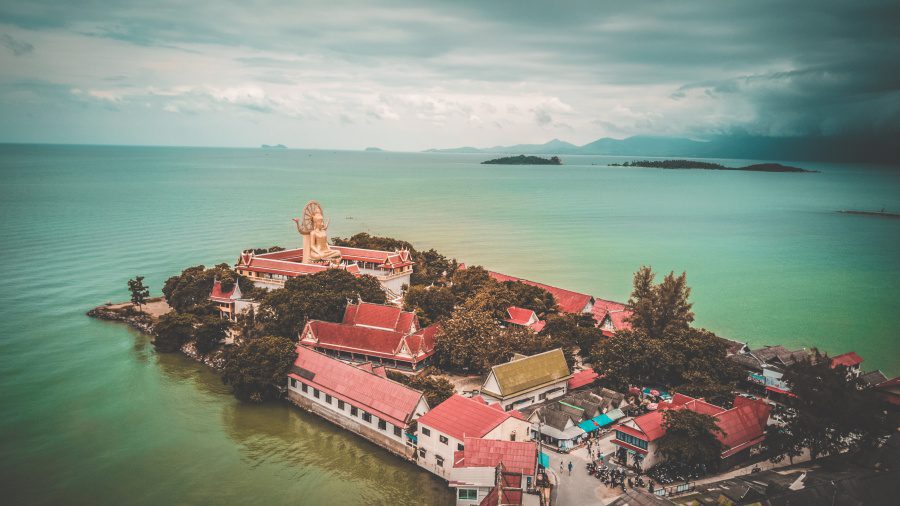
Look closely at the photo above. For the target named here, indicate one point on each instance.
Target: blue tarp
(544, 460)
(588, 425)
(600, 420)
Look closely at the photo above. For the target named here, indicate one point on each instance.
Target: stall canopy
(601, 420)
(544, 460)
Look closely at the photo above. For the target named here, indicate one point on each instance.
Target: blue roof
(601, 420)
(588, 425)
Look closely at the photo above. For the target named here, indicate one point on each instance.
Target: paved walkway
(579, 488)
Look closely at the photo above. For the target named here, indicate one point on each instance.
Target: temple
(270, 270)
(230, 303)
(373, 333)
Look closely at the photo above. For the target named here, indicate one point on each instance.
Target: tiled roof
(582, 378)
(617, 312)
(499, 496)
(567, 300)
(849, 359)
(530, 372)
(386, 399)
(379, 316)
(462, 417)
(370, 341)
(516, 456)
(525, 317)
(219, 295)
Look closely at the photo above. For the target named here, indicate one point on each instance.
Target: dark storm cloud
(697, 68)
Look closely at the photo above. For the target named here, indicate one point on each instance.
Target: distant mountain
(861, 149)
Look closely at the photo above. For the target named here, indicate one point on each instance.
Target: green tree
(256, 369)
(436, 389)
(366, 241)
(576, 330)
(139, 292)
(465, 337)
(431, 304)
(831, 412)
(320, 296)
(432, 268)
(690, 438)
(173, 330)
(189, 291)
(211, 331)
(662, 348)
(466, 282)
(518, 339)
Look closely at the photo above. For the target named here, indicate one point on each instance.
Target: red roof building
(519, 457)
(848, 360)
(582, 378)
(229, 303)
(567, 300)
(744, 426)
(525, 318)
(374, 333)
(388, 400)
(493, 472)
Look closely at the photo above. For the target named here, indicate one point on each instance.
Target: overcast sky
(416, 75)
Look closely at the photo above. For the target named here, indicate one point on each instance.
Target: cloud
(454, 73)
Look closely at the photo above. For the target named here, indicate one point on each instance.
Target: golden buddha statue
(313, 227)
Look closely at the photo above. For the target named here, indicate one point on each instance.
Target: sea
(93, 415)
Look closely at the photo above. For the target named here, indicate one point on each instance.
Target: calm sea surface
(91, 414)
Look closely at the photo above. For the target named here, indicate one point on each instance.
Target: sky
(416, 75)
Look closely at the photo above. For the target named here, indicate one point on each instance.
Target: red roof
(616, 311)
(502, 497)
(567, 300)
(218, 295)
(849, 359)
(524, 317)
(370, 341)
(386, 399)
(516, 456)
(462, 417)
(380, 316)
(582, 378)
(744, 424)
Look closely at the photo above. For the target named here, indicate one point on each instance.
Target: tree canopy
(464, 338)
(830, 411)
(662, 348)
(320, 296)
(431, 304)
(257, 367)
(211, 331)
(139, 292)
(435, 388)
(173, 330)
(431, 267)
(189, 291)
(690, 438)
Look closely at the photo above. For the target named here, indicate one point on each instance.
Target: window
(512, 436)
(422, 452)
(398, 431)
(328, 398)
(316, 393)
(439, 460)
(528, 482)
(304, 387)
(354, 411)
(293, 383)
(367, 417)
(426, 431)
(382, 425)
(460, 447)
(633, 441)
(341, 405)
(444, 439)
(468, 494)
(542, 396)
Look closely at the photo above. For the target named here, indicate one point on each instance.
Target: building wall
(511, 426)
(433, 447)
(385, 438)
(526, 399)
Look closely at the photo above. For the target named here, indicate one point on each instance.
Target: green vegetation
(172, 331)
(255, 368)
(830, 412)
(431, 304)
(690, 438)
(189, 291)
(139, 292)
(320, 296)
(524, 160)
(431, 267)
(662, 348)
(435, 388)
(210, 333)
(694, 164)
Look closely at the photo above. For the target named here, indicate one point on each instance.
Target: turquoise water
(93, 415)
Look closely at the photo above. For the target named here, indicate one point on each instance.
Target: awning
(588, 425)
(601, 420)
(544, 460)
(780, 391)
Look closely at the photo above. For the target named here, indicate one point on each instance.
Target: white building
(443, 430)
(524, 381)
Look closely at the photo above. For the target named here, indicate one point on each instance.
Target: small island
(694, 164)
(882, 213)
(377, 150)
(276, 146)
(524, 160)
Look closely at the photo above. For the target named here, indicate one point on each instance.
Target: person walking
(570, 468)
(560, 466)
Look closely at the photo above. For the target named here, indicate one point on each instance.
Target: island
(882, 213)
(694, 164)
(377, 150)
(524, 160)
(276, 146)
